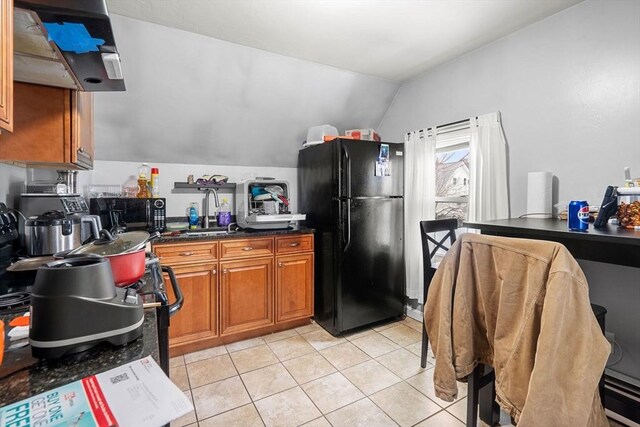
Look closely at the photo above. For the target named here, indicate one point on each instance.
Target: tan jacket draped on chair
(522, 307)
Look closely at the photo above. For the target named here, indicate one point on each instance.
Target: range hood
(66, 43)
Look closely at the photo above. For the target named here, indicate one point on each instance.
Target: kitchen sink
(196, 233)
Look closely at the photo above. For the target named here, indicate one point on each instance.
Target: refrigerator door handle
(347, 156)
(348, 223)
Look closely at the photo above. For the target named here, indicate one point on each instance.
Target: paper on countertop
(18, 333)
(135, 394)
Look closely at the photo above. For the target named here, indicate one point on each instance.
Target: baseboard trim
(414, 313)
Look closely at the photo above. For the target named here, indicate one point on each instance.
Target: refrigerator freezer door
(371, 277)
(358, 169)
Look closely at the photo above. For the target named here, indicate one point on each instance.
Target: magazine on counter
(135, 394)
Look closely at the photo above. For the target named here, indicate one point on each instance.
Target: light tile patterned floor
(307, 377)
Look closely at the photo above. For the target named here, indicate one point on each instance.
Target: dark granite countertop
(240, 234)
(22, 376)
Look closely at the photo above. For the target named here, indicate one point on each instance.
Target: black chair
(430, 245)
(480, 383)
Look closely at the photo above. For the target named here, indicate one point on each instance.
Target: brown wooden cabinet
(198, 320)
(53, 127)
(238, 288)
(246, 295)
(294, 286)
(294, 277)
(195, 265)
(6, 64)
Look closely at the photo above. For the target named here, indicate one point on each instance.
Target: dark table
(611, 244)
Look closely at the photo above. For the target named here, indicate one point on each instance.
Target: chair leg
(472, 397)
(489, 408)
(425, 344)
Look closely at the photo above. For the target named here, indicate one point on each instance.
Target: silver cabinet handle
(186, 253)
(248, 248)
(293, 245)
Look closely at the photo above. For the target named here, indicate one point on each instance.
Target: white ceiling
(391, 39)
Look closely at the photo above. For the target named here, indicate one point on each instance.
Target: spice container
(155, 182)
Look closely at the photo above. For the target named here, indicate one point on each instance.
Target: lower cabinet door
(198, 318)
(246, 295)
(294, 287)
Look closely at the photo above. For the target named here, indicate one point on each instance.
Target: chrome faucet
(205, 221)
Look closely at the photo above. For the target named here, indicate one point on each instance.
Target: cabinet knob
(214, 271)
(225, 271)
(280, 264)
(247, 248)
(293, 245)
(186, 253)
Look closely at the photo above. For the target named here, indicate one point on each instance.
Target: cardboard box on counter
(363, 134)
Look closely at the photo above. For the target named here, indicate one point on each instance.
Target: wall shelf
(185, 187)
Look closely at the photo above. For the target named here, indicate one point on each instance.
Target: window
(452, 171)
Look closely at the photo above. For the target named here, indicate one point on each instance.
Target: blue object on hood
(72, 37)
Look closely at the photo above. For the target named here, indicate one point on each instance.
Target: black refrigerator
(352, 193)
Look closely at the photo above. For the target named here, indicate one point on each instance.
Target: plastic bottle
(193, 215)
(224, 213)
(143, 181)
(155, 182)
(130, 187)
(143, 171)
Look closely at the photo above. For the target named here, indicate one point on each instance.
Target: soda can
(578, 218)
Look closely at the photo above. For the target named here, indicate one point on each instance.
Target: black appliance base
(57, 352)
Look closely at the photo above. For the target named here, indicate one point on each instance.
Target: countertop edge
(243, 234)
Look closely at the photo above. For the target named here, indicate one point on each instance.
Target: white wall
(112, 172)
(12, 179)
(568, 88)
(199, 100)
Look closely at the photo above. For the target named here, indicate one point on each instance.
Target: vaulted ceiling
(392, 39)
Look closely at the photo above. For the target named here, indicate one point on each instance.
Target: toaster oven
(264, 203)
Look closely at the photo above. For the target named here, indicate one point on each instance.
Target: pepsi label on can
(578, 218)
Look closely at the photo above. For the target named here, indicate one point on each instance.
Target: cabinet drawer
(245, 248)
(298, 243)
(186, 253)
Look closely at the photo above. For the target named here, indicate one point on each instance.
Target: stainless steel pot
(54, 232)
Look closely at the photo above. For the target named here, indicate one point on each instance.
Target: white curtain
(419, 191)
(488, 195)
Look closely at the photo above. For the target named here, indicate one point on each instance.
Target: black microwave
(149, 214)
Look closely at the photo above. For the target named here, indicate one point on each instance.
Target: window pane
(452, 173)
(451, 210)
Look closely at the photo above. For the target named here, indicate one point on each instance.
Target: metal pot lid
(29, 264)
(113, 245)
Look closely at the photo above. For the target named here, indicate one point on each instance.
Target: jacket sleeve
(570, 358)
(437, 315)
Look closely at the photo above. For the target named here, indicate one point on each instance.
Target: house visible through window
(452, 171)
